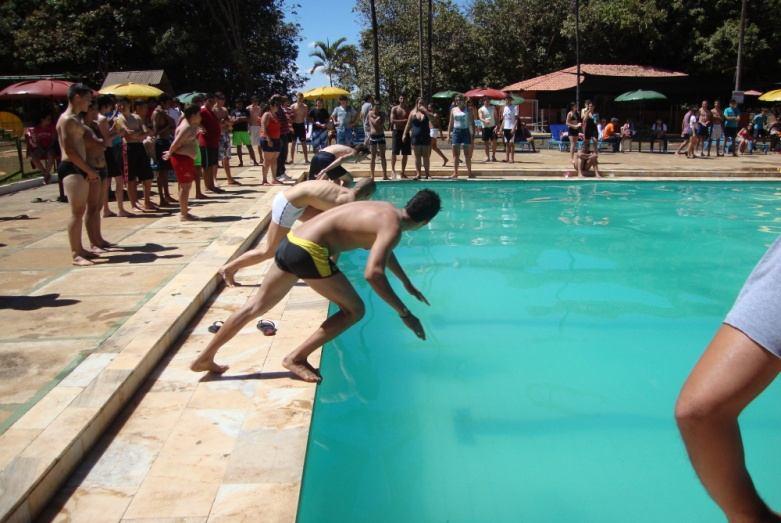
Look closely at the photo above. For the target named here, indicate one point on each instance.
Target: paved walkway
(55, 314)
(191, 449)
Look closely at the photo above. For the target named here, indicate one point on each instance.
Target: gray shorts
(757, 311)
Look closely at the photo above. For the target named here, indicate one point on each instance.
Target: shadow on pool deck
(33, 303)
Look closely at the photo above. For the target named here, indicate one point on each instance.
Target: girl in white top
(461, 129)
(509, 117)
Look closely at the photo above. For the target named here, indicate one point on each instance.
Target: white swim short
(434, 133)
(283, 213)
(254, 135)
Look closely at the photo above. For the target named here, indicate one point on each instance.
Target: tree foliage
(499, 42)
(238, 46)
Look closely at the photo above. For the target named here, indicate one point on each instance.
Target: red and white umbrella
(36, 89)
(494, 94)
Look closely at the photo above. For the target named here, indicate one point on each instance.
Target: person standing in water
(303, 201)
(308, 254)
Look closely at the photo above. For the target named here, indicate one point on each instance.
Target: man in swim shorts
(308, 255)
(301, 202)
(300, 115)
(74, 171)
(182, 154)
(376, 135)
(401, 144)
(327, 162)
(742, 360)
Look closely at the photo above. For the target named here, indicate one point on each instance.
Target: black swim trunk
(591, 132)
(573, 131)
(401, 144)
(162, 145)
(102, 172)
(304, 258)
(138, 167)
(508, 135)
(209, 156)
(113, 156)
(488, 133)
(320, 161)
(67, 168)
(270, 145)
(299, 132)
(377, 139)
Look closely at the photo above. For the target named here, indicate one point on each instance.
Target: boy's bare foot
(109, 214)
(444, 163)
(125, 214)
(200, 196)
(87, 254)
(188, 218)
(302, 370)
(227, 276)
(207, 366)
(98, 250)
(80, 261)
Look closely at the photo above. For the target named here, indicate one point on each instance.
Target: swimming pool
(564, 319)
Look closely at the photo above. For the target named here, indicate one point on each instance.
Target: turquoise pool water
(564, 318)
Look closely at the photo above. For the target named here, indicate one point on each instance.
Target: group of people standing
(704, 126)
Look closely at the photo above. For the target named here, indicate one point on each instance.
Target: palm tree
(330, 58)
(420, 45)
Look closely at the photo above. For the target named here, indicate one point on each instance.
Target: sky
(321, 20)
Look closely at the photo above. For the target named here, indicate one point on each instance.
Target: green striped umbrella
(187, 98)
(640, 96)
(445, 95)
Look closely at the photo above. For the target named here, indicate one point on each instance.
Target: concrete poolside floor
(55, 314)
(190, 447)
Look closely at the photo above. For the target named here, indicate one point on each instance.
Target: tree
(333, 59)
(455, 58)
(253, 52)
(375, 49)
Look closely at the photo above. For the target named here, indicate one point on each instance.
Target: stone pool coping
(40, 450)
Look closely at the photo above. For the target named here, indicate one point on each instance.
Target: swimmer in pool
(307, 254)
(301, 202)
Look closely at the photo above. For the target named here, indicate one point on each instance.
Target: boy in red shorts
(182, 156)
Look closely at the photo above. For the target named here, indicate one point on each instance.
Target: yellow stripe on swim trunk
(319, 254)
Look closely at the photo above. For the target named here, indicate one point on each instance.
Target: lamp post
(577, 52)
(740, 44)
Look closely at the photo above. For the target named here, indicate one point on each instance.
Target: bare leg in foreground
(730, 374)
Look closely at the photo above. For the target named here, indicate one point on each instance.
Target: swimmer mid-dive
(307, 254)
(301, 202)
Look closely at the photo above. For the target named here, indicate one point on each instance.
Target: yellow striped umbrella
(325, 93)
(132, 90)
(771, 96)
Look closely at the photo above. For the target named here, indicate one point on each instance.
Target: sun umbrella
(37, 89)
(445, 95)
(516, 100)
(496, 94)
(771, 96)
(11, 123)
(640, 96)
(326, 93)
(132, 90)
(187, 98)
(752, 92)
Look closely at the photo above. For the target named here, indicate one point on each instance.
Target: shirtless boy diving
(301, 202)
(307, 254)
